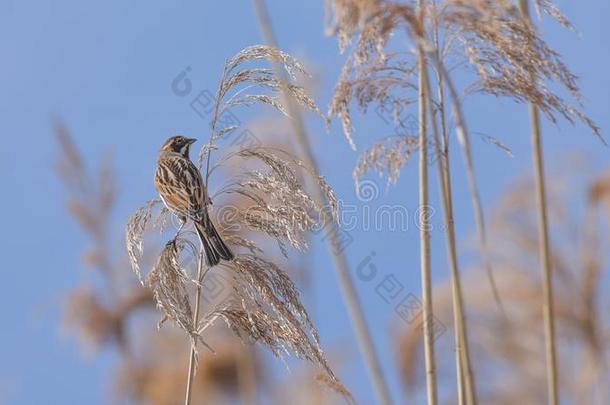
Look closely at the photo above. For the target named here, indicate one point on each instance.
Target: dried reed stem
(346, 284)
(193, 359)
(465, 379)
(463, 138)
(442, 164)
(543, 246)
(424, 225)
(462, 132)
(547, 284)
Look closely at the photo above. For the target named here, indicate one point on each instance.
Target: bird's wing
(179, 184)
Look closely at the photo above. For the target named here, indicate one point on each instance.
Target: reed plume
(489, 40)
(369, 76)
(98, 315)
(265, 306)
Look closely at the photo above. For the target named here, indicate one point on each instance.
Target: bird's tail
(214, 247)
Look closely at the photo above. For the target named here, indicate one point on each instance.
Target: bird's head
(178, 144)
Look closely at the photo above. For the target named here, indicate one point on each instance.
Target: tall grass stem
(543, 241)
(192, 358)
(465, 378)
(424, 227)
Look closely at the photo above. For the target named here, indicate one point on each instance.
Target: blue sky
(105, 69)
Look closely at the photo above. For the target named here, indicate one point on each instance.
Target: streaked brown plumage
(181, 188)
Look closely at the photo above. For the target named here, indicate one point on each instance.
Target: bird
(180, 186)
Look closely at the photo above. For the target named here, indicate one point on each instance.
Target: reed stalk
(346, 284)
(465, 379)
(424, 225)
(192, 358)
(462, 133)
(543, 240)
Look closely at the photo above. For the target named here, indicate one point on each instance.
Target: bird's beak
(191, 141)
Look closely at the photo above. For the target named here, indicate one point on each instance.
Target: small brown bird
(181, 188)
